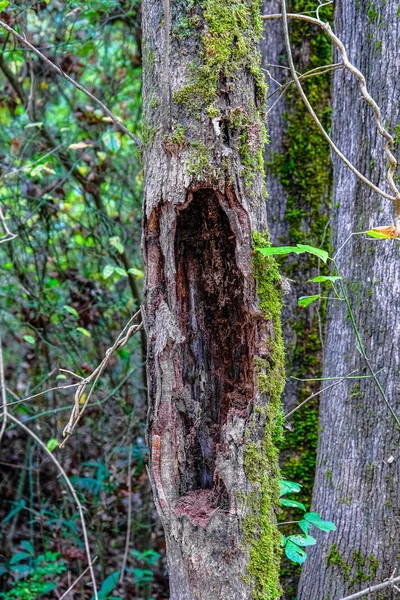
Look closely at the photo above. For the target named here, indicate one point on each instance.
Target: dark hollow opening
(217, 373)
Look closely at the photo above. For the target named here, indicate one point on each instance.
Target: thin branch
(129, 523)
(71, 489)
(373, 588)
(8, 234)
(3, 394)
(128, 331)
(378, 119)
(81, 576)
(296, 408)
(58, 70)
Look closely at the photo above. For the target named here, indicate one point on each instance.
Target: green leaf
(288, 487)
(121, 271)
(112, 141)
(323, 278)
(302, 540)
(325, 525)
(108, 271)
(304, 526)
(283, 540)
(292, 503)
(116, 243)
(312, 517)
(16, 558)
(28, 547)
(52, 444)
(3, 4)
(307, 300)
(84, 331)
(322, 254)
(295, 553)
(137, 272)
(108, 585)
(279, 250)
(71, 310)
(30, 339)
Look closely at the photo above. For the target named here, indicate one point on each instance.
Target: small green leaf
(16, 558)
(304, 526)
(3, 4)
(279, 250)
(322, 254)
(61, 376)
(121, 271)
(283, 540)
(302, 540)
(312, 517)
(307, 300)
(108, 271)
(325, 525)
(295, 553)
(288, 487)
(52, 444)
(71, 310)
(108, 585)
(112, 141)
(292, 503)
(137, 272)
(30, 339)
(116, 242)
(84, 331)
(323, 278)
(28, 547)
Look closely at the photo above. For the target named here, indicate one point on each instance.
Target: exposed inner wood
(217, 371)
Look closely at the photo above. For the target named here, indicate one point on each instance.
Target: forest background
(71, 187)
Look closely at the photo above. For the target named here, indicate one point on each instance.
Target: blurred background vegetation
(71, 189)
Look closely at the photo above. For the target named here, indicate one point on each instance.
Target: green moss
(334, 558)
(231, 32)
(177, 136)
(261, 456)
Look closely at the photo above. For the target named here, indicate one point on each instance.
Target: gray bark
(201, 308)
(358, 470)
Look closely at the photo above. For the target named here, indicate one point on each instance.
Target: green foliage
(36, 575)
(293, 544)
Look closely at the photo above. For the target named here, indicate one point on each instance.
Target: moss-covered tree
(358, 472)
(212, 304)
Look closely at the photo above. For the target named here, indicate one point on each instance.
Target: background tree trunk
(215, 354)
(358, 466)
(298, 178)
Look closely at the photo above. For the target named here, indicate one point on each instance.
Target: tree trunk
(299, 177)
(358, 469)
(212, 305)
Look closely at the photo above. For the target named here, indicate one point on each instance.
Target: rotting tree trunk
(212, 305)
(299, 178)
(358, 469)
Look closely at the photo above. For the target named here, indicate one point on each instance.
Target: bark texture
(358, 469)
(212, 305)
(298, 177)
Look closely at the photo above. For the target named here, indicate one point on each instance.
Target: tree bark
(298, 212)
(212, 305)
(358, 467)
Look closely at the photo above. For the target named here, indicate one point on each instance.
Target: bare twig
(58, 70)
(363, 87)
(71, 489)
(296, 408)
(81, 576)
(3, 394)
(373, 588)
(129, 522)
(129, 330)
(8, 234)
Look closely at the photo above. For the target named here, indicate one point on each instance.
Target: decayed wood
(203, 198)
(358, 472)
